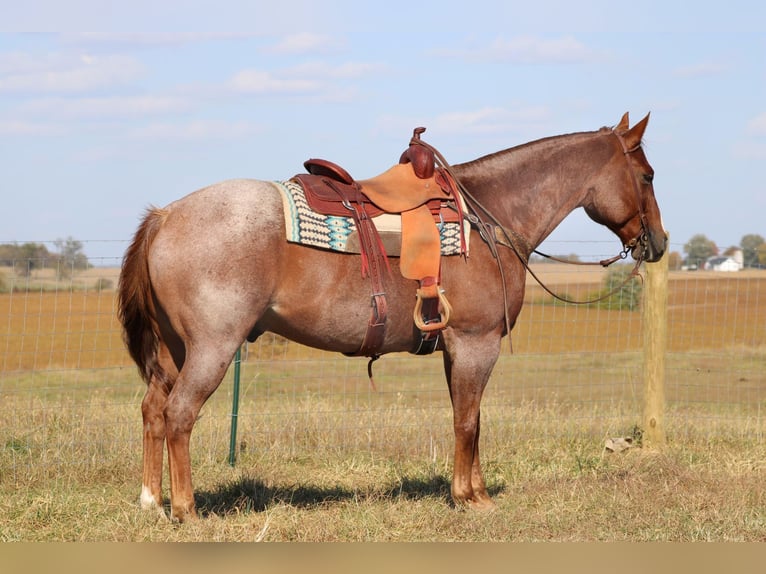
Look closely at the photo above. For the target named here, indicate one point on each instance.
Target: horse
(214, 268)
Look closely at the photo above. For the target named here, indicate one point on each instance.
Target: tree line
(26, 257)
(69, 256)
(699, 248)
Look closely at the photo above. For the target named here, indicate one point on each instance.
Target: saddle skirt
(306, 226)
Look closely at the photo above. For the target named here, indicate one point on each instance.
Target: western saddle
(424, 195)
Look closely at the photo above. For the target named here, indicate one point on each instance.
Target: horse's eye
(648, 178)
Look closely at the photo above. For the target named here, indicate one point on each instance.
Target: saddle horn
(421, 158)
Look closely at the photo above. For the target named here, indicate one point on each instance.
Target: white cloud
(19, 62)
(530, 50)
(754, 146)
(59, 73)
(196, 130)
(701, 69)
(489, 123)
(349, 70)
(148, 40)
(490, 120)
(318, 81)
(305, 43)
(260, 82)
(112, 107)
(18, 128)
(757, 125)
(749, 150)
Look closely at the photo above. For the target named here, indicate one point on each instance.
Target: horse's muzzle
(653, 246)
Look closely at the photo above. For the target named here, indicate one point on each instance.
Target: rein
(604, 263)
(494, 233)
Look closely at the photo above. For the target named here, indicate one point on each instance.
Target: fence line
(578, 368)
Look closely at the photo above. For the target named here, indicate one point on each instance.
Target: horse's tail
(135, 302)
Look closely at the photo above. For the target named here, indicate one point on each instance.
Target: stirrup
(446, 308)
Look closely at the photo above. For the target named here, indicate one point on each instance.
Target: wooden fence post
(655, 334)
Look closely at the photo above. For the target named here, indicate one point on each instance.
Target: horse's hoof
(149, 504)
(179, 516)
(485, 505)
(476, 503)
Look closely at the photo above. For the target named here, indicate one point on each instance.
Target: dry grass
(77, 328)
(547, 487)
(323, 458)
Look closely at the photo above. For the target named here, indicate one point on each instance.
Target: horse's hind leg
(153, 414)
(201, 374)
(468, 366)
(152, 409)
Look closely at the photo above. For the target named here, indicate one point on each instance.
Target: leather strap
(373, 260)
(376, 326)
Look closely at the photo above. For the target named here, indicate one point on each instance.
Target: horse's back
(243, 205)
(204, 256)
(219, 219)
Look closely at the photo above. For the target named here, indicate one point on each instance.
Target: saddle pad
(308, 227)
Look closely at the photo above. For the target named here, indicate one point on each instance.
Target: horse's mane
(536, 144)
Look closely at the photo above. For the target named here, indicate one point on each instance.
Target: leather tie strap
(373, 260)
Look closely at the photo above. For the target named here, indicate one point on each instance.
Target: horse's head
(622, 198)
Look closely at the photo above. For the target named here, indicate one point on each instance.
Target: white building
(733, 262)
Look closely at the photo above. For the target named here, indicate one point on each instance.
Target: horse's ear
(634, 135)
(623, 125)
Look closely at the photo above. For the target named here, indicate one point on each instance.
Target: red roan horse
(214, 268)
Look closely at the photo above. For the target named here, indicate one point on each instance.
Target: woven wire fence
(69, 394)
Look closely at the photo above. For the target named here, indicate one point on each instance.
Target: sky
(166, 97)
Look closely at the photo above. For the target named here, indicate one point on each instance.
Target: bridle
(495, 233)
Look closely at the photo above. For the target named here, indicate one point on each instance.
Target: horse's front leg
(468, 366)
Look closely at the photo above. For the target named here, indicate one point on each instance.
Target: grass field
(321, 457)
(552, 481)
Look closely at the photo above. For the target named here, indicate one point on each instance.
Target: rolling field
(323, 457)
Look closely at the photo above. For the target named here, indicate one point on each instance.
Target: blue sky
(96, 126)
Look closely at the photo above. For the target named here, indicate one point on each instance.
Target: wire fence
(576, 367)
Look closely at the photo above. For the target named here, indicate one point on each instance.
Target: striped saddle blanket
(307, 227)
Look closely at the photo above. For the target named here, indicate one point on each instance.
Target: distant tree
(750, 245)
(104, 284)
(762, 255)
(675, 261)
(24, 258)
(70, 256)
(627, 296)
(7, 254)
(698, 249)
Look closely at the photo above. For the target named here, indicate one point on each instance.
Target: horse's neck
(531, 188)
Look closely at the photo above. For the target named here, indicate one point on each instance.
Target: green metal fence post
(235, 409)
